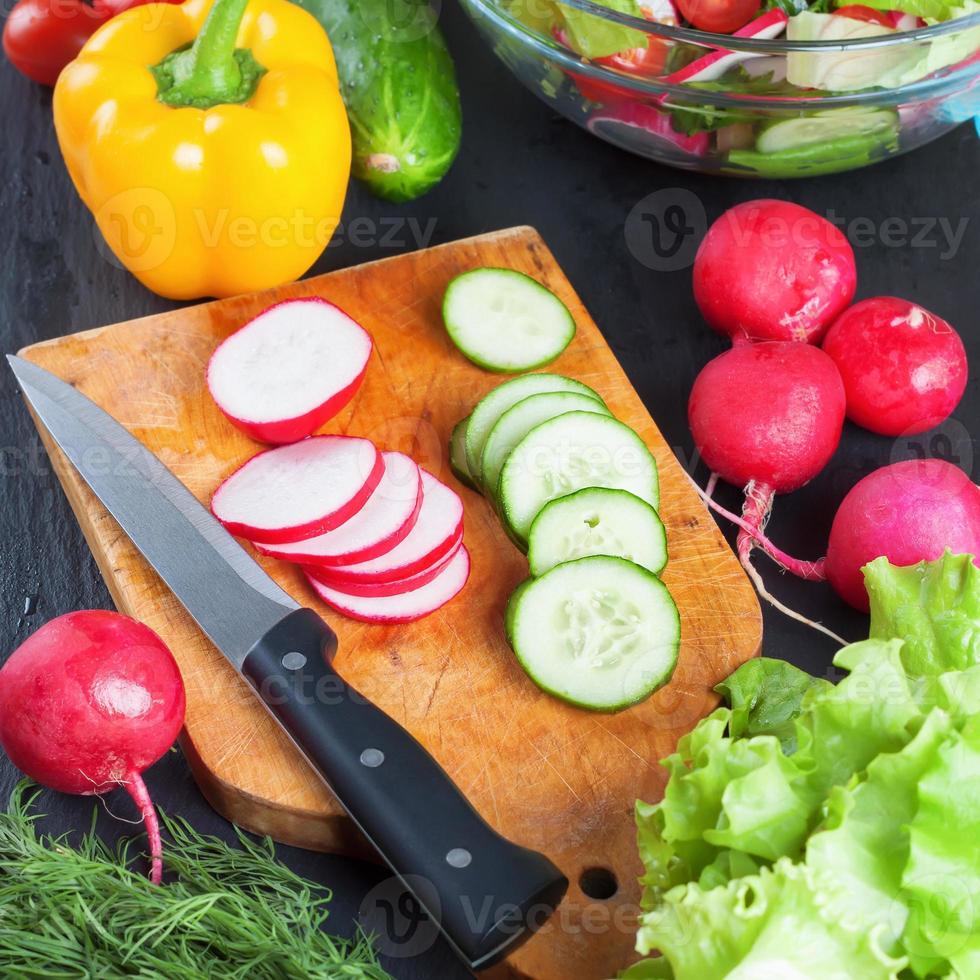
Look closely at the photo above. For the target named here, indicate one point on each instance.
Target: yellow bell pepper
(209, 141)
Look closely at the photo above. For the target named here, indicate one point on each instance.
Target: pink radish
(710, 67)
(383, 522)
(289, 370)
(772, 270)
(395, 587)
(299, 491)
(904, 368)
(908, 512)
(87, 703)
(437, 532)
(629, 123)
(767, 417)
(406, 607)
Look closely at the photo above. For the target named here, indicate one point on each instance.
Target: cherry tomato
(719, 16)
(40, 37)
(856, 11)
(651, 60)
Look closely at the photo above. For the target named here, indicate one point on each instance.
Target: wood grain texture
(550, 776)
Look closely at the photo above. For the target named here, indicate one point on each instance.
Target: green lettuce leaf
(765, 697)
(770, 926)
(932, 10)
(872, 710)
(860, 852)
(595, 37)
(653, 969)
(933, 606)
(942, 877)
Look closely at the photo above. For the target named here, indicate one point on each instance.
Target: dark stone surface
(520, 164)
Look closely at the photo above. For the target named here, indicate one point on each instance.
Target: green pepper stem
(212, 70)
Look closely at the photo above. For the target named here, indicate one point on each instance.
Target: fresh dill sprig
(84, 910)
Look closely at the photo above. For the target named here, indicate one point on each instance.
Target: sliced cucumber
(457, 454)
(484, 416)
(597, 521)
(575, 450)
(822, 127)
(599, 632)
(518, 421)
(816, 159)
(503, 320)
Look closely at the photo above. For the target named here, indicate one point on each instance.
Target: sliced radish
(396, 587)
(437, 531)
(385, 520)
(406, 607)
(289, 370)
(299, 491)
(711, 67)
(632, 124)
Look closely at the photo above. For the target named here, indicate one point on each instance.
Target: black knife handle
(486, 894)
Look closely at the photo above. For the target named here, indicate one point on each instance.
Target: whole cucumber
(399, 84)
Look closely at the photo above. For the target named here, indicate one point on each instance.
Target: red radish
(772, 270)
(630, 123)
(289, 370)
(384, 521)
(719, 16)
(299, 491)
(908, 512)
(437, 531)
(904, 368)
(767, 417)
(87, 703)
(869, 15)
(406, 607)
(710, 67)
(395, 587)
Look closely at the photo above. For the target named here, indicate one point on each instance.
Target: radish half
(289, 370)
(633, 124)
(437, 532)
(711, 67)
(406, 607)
(396, 586)
(299, 491)
(384, 521)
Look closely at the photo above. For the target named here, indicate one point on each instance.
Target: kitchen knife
(484, 892)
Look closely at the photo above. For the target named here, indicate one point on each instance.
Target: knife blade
(486, 894)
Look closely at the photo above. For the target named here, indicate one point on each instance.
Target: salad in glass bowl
(756, 88)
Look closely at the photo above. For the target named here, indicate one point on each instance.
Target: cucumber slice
(503, 320)
(457, 454)
(600, 632)
(518, 421)
(565, 454)
(597, 521)
(820, 158)
(484, 417)
(822, 127)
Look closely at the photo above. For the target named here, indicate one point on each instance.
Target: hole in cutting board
(598, 883)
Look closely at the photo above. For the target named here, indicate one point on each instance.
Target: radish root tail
(755, 515)
(141, 797)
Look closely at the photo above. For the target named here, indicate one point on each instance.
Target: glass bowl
(747, 106)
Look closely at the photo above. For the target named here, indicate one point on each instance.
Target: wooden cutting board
(552, 777)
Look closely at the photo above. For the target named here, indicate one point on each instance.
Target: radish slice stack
(379, 538)
(396, 556)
